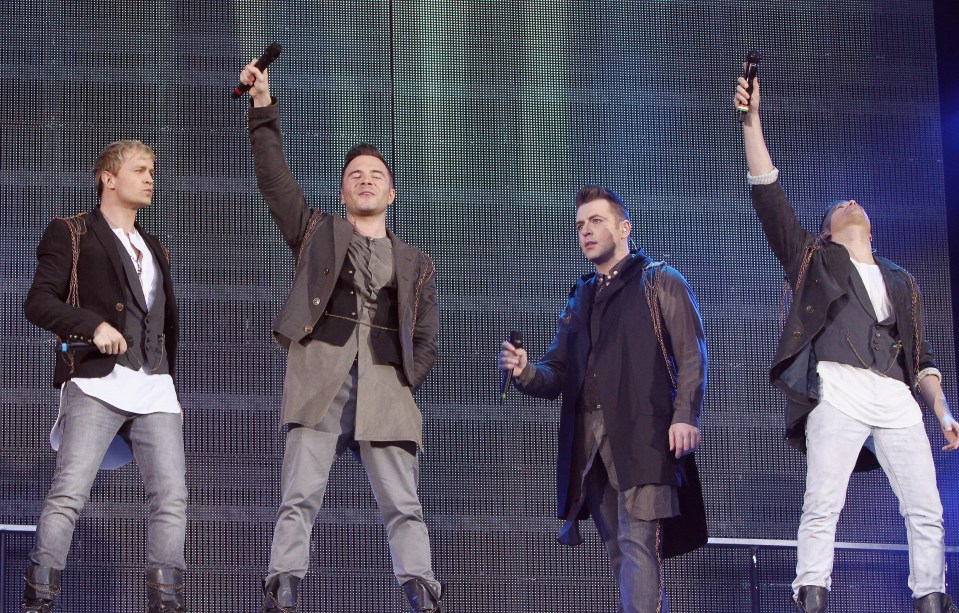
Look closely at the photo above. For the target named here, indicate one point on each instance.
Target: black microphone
(272, 52)
(749, 73)
(515, 339)
(75, 346)
(66, 346)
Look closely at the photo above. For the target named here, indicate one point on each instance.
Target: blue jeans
(89, 426)
(833, 441)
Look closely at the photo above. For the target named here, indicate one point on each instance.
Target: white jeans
(833, 441)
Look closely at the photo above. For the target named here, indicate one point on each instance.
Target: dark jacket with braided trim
(824, 284)
(100, 291)
(636, 394)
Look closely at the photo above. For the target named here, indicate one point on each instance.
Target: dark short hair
(365, 149)
(826, 220)
(588, 193)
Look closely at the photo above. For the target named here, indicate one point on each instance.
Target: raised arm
(279, 188)
(785, 235)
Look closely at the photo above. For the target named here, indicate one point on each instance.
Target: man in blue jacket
(629, 358)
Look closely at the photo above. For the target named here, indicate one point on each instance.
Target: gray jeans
(833, 442)
(633, 545)
(393, 472)
(89, 426)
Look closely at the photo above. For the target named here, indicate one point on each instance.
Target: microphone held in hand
(749, 73)
(66, 346)
(272, 52)
(516, 340)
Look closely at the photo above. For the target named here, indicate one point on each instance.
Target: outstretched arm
(757, 154)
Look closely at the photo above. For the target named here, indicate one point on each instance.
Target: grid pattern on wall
(493, 114)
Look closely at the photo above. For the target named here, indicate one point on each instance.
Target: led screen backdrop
(493, 114)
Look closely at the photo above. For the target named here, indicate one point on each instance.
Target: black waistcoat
(339, 320)
(853, 335)
(143, 329)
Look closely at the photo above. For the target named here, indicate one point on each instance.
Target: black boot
(40, 585)
(936, 602)
(165, 590)
(279, 594)
(812, 599)
(422, 597)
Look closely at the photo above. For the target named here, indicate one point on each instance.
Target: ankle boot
(936, 602)
(41, 584)
(422, 597)
(812, 599)
(279, 594)
(165, 590)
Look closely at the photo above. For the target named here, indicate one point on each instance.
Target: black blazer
(825, 277)
(73, 313)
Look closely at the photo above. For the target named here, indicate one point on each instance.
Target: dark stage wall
(493, 113)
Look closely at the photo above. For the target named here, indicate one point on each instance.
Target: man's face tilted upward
(602, 234)
(367, 188)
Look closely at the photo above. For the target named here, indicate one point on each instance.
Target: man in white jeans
(851, 359)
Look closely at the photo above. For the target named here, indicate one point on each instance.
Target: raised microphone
(272, 52)
(515, 339)
(749, 73)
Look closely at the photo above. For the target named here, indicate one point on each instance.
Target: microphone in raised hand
(749, 73)
(272, 52)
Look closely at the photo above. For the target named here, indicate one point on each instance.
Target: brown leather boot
(41, 584)
(812, 599)
(279, 594)
(165, 590)
(936, 602)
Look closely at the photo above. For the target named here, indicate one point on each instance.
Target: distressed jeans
(89, 426)
(833, 441)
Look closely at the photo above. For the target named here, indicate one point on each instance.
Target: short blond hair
(114, 155)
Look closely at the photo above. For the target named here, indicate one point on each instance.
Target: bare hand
(683, 439)
(513, 357)
(260, 90)
(950, 428)
(109, 340)
(743, 98)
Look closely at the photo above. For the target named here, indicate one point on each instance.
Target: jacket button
(797, 334)
(326, 271)
(816, 281)
(352, 293)
(316, 301)
(599, 406)
(810, 309)
(353, 314)
(308, 329)
(119, 306)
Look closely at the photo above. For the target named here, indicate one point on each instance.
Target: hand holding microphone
(745, 91)
(106, 339)
(512, 361)
(253, 77)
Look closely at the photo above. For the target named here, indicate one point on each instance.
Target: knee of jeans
(69, 502)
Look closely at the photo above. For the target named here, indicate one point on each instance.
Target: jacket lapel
(404, 259)
(122, 264)
(859, 290)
